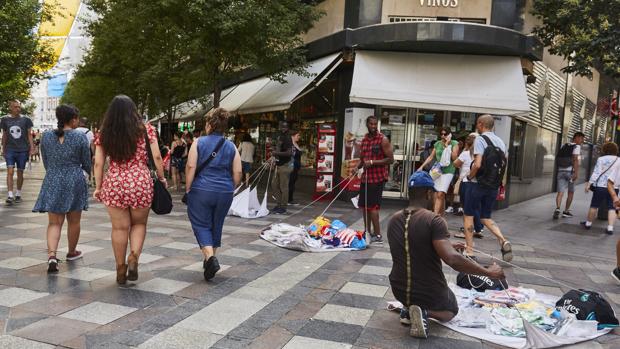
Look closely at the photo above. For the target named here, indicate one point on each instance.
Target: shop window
(516, 150)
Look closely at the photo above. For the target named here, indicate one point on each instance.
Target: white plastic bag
(446, 156)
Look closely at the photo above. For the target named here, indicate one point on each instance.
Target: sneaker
(567, 214)
(506, 251)
(9, 201)
(478, 234)
(18, 199)
(52, 265)
(293, 203)
(211, 267)
(450, 209)
(419, 322)
(75, 255)
(614, 273)
(586, 227)
(376, 239)
(609, 232)
(556, 213)
(404, 317)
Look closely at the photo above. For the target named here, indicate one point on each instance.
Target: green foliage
(585, 32)
(165, 52)
(23, 58)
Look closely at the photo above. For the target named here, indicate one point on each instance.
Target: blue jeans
(480, 200)
(465, 195)
(16, 159)
(207, 211)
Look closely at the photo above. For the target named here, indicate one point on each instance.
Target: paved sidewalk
(265, 296)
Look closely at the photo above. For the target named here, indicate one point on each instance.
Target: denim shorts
(246, 167)
(480, 199)
(16, 159)
(565, 182)
(600, 195)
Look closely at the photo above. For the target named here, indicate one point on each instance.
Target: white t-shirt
(614, 175)
(246, 151)
(466, 159)
(576, 151)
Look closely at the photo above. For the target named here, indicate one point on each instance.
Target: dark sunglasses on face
(444, 134)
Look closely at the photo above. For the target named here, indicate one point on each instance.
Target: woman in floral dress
(127, 188)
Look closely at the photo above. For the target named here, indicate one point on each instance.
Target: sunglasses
(444, 134)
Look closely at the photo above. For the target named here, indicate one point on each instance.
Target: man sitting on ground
(418, 241)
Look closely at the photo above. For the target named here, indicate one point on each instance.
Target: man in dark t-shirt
(418, 241)
(283, 154)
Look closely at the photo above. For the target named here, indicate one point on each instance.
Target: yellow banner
(59, 26)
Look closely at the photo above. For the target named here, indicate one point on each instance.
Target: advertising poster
(326, 147)
(324, 183)
(325, 163)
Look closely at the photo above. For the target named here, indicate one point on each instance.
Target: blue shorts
(246, 167)
(481, 200)
(16, 159)
(600, 195)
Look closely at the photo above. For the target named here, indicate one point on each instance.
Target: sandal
(506, 251)
(132, 267)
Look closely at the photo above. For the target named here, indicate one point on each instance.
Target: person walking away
(127, 188)
(177, 164)
(90, 136)
(464, 163)
(64, 192)
(210, 190)
(568, 171)
(17, 146)
(598, 185)
(376, 156)
(297, 152)
(446, 167)
(487, 173)
(419, 242)
(246, 149)
(282, 157)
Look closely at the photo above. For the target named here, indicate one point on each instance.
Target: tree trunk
(169, 116)
(217, 93)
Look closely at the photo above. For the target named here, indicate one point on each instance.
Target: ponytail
(59, 131)
(64, 114)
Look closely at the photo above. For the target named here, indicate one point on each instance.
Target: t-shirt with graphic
(15, 130)
(439, 147)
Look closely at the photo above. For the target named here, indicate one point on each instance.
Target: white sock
(18, 192)
(10, 194)
(610, 227)
(588, 224)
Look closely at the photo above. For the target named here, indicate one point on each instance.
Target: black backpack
(480, 283)
(565, 155)
(588, 305)
(493, 166)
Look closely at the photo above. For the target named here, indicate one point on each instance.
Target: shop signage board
(325, 155)
(439, 3)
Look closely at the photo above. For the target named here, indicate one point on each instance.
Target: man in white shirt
(568, 172)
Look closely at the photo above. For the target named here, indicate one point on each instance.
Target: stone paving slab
(264, 296)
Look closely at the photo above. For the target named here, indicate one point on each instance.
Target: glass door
(394, 124)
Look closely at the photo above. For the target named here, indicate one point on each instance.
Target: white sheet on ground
(246, 205)
(294, 238)
(535, 339)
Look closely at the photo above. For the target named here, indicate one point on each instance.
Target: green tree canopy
(165, 52)
(23, 57)
(584, 32)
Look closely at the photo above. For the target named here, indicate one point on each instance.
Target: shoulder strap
(213, 155)
(610, 166)
(486, 139)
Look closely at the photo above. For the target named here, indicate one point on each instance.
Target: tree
(586, 33)
(23, 57)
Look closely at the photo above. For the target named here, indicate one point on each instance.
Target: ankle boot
(121, 274)
(132, 267)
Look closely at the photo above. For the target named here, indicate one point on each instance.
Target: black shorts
(374, 195)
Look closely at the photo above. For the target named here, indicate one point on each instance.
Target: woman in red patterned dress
(127, 188)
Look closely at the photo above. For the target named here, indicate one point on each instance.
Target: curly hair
(610, 148)
(218, 120)
(121, 129)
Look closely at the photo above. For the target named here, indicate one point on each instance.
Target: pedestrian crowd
(125, 158)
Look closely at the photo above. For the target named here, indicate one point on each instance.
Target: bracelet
(370, 162)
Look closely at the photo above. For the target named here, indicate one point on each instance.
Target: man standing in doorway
(486, 175)
(568, 172)
(282, 154)
(17, 145)
(376, 156)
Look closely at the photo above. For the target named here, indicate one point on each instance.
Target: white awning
(233, 97)
(467, 83)
(275, 96)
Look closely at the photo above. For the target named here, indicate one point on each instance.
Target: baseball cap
(421, 179)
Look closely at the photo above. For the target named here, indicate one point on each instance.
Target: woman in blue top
(210, 192)
(64, 193)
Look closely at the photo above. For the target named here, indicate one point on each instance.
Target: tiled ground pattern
(264, 297)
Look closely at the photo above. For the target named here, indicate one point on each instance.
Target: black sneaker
(404, 317)
(556, 213)
(376, 239)
(419, 322)
(18, 199)
(616, 274)
(9, 201)
(609, 232)
(567, 214)
(585, 226)
(52, 265)
(211, 267)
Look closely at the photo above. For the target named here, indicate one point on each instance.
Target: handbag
(162, 200)
(592, 185)
(204, 164)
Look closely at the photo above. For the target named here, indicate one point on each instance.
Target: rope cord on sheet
(348, 179)
(259, 174)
